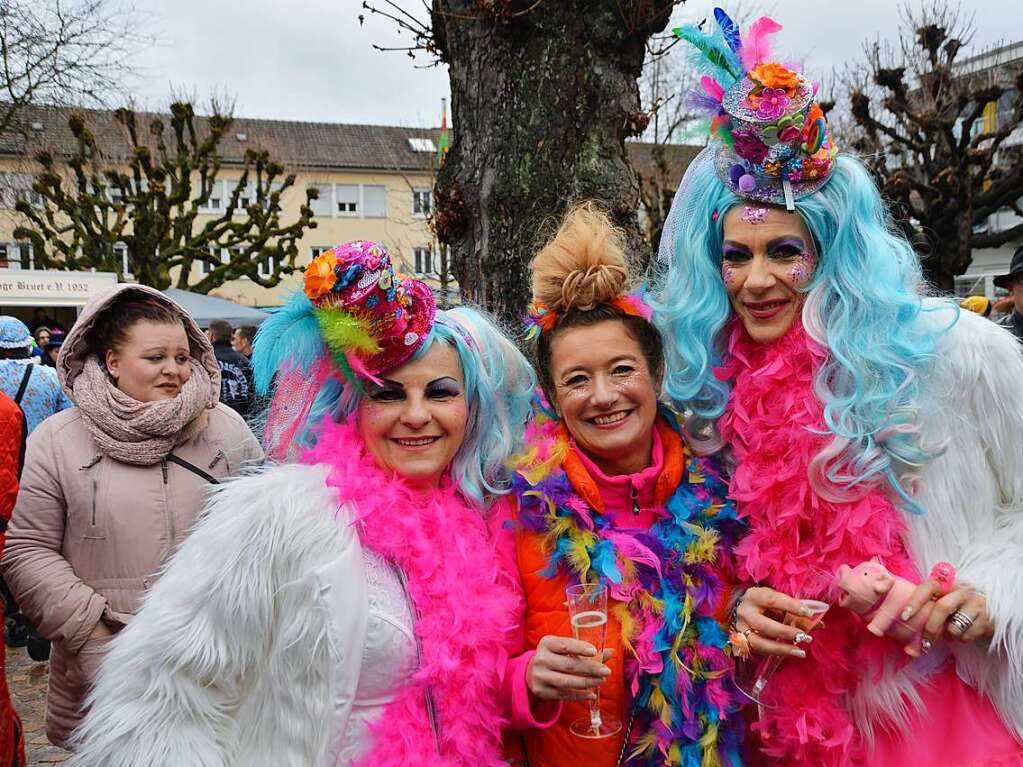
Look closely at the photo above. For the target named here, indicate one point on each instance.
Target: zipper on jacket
(431, 707)
(216, 459)
(163, 469)
(635, 501)
(94, 491)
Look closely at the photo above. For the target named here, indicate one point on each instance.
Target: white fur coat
(198, 680)
(972, 401)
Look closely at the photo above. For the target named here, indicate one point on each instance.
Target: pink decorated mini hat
(372, 317)
(771, 138)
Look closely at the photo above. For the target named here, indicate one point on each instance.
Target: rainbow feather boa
(442, 544)
(666, 585)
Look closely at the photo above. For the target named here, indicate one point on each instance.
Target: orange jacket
(546, 614)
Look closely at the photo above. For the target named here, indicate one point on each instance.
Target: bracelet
(733, 614)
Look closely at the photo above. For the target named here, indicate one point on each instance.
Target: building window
(422, 259)
(16, 256)
(207, 267)
(26, 257)
(265, 266)
(246, 196)
(215, 203)
(374, 201)
(421, 202)
(317, 250)
(121, 252)
(18, 186)
(323, 205)
(347, 199)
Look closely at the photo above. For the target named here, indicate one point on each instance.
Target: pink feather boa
(463, 615)
(774, 423)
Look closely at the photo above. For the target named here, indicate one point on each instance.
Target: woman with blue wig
(868, 424)
(345, 610)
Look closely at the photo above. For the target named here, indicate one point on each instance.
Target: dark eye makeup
(443, 388)
(392, 391)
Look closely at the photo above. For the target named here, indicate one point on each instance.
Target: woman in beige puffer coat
(112, 486)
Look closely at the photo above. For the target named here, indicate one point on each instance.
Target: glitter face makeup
(802, 269)
(754, 215)
(766, 264)
(727, 273)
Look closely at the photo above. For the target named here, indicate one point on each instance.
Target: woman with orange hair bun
(608, 494)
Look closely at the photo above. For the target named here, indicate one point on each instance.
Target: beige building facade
(374, 183)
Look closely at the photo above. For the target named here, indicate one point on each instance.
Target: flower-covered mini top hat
(372, 317)
(771, 137)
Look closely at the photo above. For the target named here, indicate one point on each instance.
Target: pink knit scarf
(463, 615)
(141, 433)
(775, 426)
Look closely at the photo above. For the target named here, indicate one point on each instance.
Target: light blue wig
(864, 305)
(499, 384)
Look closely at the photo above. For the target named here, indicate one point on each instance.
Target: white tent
(204, 309)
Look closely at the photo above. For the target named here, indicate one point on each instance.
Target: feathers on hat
(290, 334)
(756, 47)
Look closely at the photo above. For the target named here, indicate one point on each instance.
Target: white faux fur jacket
(254, 648)
(972, 401)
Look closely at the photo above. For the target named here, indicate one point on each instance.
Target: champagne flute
(754, 689)
(587, 609)
(752, 677)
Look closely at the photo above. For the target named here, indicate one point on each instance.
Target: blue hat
(14, 333)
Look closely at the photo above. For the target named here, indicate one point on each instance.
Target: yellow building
(374, 182)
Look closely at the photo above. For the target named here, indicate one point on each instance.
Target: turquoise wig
(864, 305)
(498, 388)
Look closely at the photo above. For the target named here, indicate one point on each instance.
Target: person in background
(52, 349)
(1013, 282)
(241, 340)
(35, 388)
(236, 388)
(112, 486)
(41, 337)
(12, 445)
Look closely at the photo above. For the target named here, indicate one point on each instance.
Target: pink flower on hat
(773, 102)
(749, 147)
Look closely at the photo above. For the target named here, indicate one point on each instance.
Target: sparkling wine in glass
(754, 688)
(587, 608)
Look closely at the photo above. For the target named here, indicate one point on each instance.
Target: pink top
(522, 708)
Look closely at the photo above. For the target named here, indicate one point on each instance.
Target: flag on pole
(443, 140)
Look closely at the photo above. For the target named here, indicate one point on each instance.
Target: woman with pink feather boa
(865, 420)
(345, 609)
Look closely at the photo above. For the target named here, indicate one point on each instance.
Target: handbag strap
(171, 458)
(24, 384)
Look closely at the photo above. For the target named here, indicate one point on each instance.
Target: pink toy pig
(873, 592)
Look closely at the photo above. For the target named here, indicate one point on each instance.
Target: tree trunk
(543, 97)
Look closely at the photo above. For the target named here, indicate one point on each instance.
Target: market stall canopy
(204, 309)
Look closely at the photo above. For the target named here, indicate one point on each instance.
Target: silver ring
(961, 621)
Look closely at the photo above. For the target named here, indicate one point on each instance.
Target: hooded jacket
(89, 533)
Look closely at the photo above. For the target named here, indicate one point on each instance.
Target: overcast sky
(311, 60)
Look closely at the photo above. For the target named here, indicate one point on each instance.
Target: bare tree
(156, 194)
(923, 116)
(63, 52)
(544, 95)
